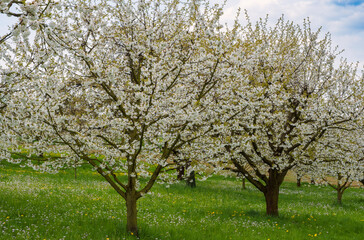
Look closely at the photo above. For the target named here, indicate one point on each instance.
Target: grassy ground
(56, 206)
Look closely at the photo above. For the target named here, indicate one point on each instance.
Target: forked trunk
(131, 214)
(271, 199)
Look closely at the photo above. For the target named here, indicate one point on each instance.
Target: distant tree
(182, 166)
(341, 157)
(339, 154)
(299, 175)
(279, 107)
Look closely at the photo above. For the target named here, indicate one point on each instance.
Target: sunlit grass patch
(57, 206)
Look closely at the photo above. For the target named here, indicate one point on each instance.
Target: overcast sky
(344, 19)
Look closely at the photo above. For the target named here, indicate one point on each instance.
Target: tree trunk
(271, 191)
(243, 182)
(131, 214)
(191, 180)
(339, 196)
(181, 172)
(298, 181)
(271, 199)
(312, 181)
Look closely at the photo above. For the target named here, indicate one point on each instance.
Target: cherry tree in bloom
(339, 154)
(119, 85)
(28, 15)
(27, 12)
(345, 162)
(279, 107)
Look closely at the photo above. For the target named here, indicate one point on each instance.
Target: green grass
(56, 206)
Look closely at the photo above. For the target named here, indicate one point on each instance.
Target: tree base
(191, 180)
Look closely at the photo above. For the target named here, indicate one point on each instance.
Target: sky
(344, 19)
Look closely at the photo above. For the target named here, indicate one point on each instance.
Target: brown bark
(243, 183)
(271, 199)
(271, 191)
(339, 196)
(131, 213)
(272, 183)
(298, 181)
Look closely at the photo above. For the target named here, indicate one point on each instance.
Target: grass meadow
(56, 206)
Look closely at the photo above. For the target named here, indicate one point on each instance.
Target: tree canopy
(125, 86)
